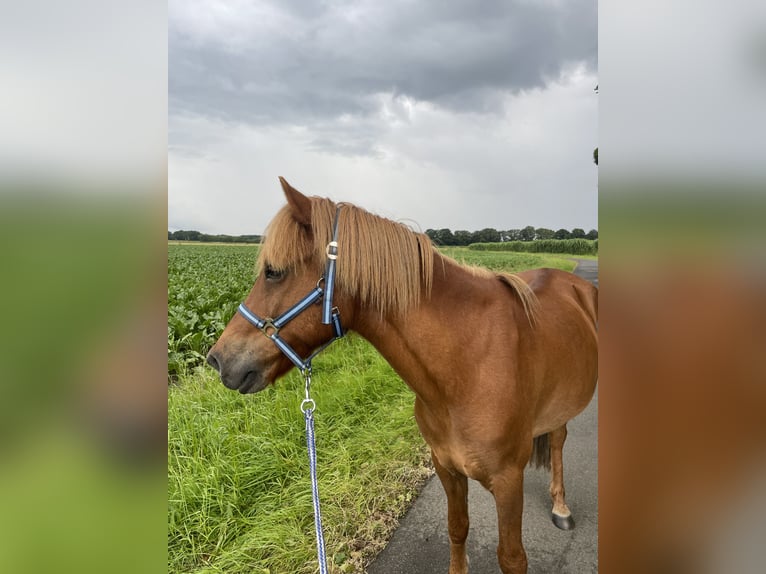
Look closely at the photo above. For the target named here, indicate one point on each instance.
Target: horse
(498, 362)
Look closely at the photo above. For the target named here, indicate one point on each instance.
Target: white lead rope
(307, 406)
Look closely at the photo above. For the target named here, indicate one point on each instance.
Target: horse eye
(272, 274)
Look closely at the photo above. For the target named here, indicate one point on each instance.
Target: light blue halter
(330, 316)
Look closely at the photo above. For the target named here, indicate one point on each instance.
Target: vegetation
(183, 235)
(445, 237)
(573, 246)
(239, 496)
(239, 493)
(442, 237)
(205, 285)
(508, 261)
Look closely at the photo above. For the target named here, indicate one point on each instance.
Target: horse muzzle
(243, 376)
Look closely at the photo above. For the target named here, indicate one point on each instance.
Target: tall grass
(572, 246)
(508, 261)
(238, 482)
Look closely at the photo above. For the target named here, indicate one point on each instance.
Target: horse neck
(420, 344)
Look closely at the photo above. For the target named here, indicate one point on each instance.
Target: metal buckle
(268, 323)
(332, 250)
(337, 326)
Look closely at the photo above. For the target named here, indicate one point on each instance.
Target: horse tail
(541, 452)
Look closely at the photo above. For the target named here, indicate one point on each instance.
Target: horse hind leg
(561, 515)
(456, 487)
(547, 452)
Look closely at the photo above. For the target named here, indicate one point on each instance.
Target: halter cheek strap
(332, 257)
(330, 314)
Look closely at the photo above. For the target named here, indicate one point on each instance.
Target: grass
(239, 495)
(238, 481)
(574, 246)
(511, 261)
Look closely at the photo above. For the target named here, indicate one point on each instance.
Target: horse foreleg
(561, 515)
(456, 487)
(508, 490)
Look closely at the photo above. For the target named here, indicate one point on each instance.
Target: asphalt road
(587, 269)
(421, 545)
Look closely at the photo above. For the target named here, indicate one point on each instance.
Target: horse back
(562, 346)
(554, 284)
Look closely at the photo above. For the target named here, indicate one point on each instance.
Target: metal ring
(310, 409)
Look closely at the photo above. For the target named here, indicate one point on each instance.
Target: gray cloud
(305, 62)
(452, 114)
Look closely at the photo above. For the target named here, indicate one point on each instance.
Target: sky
(435, 113)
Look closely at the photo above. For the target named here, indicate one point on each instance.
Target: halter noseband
(330, 314)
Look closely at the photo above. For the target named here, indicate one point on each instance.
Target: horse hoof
(563, 522)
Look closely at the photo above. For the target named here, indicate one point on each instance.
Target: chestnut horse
(498, 362)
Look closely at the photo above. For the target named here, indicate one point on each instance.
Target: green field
(205, 285)
(239, 496)
(573, 246)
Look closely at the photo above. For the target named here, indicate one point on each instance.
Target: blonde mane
(381, 262)
(384, 264)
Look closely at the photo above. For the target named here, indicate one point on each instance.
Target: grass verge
(238, 480)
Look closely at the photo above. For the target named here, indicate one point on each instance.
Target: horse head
(290, 265)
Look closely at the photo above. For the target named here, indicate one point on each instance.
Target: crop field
(205, 285)
(239, 496)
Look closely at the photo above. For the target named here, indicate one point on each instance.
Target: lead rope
(307, 407)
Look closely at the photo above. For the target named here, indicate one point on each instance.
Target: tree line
(438, 236)
(184, 235)
(490, 235)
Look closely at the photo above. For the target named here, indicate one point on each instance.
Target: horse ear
(299, 203)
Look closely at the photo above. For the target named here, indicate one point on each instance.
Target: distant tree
(463, 237)
(431, 234)
(578, 233)
(487, 235)
(562, 234)
(592, 234)
(183, 235)
(527, 234)
(445, 237)
(513, 235)
(543, 233)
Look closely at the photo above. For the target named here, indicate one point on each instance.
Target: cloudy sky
(438, 113)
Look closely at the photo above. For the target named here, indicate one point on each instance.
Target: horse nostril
(213, 361)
